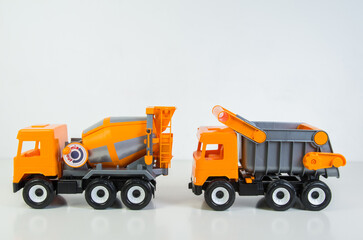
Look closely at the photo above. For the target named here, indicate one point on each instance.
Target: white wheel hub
(316, 196)
(37, 193)
(136, 194)
(100, 194)
(220, 195)
(281, 196)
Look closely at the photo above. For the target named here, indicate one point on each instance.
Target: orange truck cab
(44, 156)
(216, 155)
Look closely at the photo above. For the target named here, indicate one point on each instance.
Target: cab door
(34, 157)
(215, 160)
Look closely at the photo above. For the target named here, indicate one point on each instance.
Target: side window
(200, 146)
(211, 147)
(30, 148)
(214, 152)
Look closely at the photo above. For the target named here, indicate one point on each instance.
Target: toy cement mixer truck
(280, 160)
(116, 154)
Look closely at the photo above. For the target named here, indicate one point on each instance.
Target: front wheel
(220, 195)
(38, 193)
(280, 195)
(100, 194)
(316, 196)
(136, 194)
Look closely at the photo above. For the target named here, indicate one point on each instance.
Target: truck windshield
(29, 148)
(214, 152)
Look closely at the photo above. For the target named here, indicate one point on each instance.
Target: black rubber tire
(136, 194)
(100, 194)
(313, 188)
(34, 191)
(220, 190)
(280, 195)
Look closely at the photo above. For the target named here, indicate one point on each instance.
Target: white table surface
(176, 213)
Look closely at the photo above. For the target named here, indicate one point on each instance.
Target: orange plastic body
(134, 139)
(110, 133)
(320, 160)
(220, 162)
(45, 158)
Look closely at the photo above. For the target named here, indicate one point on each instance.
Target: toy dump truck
(116, 154)
(280, 160)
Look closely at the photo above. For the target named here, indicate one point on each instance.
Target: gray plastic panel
(283, 150)
(119, 173)
(130, 146)
(114, 120)
(277, 125)
(126, 119)
(99, 155)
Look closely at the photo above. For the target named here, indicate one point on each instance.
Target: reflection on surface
(58, 201)
(242, 223)
(62, 221)
(91, 223)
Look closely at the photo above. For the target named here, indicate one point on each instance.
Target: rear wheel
(136, 194)
(316, 196)
(220, 195)
(38, 193)
(100, 194)
(280, 195)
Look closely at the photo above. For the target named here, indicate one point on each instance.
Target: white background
(76, 62)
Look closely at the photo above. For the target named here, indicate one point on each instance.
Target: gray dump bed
(283, 151)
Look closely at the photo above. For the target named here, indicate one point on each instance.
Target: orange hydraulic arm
(239, 124)
(320, 160)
